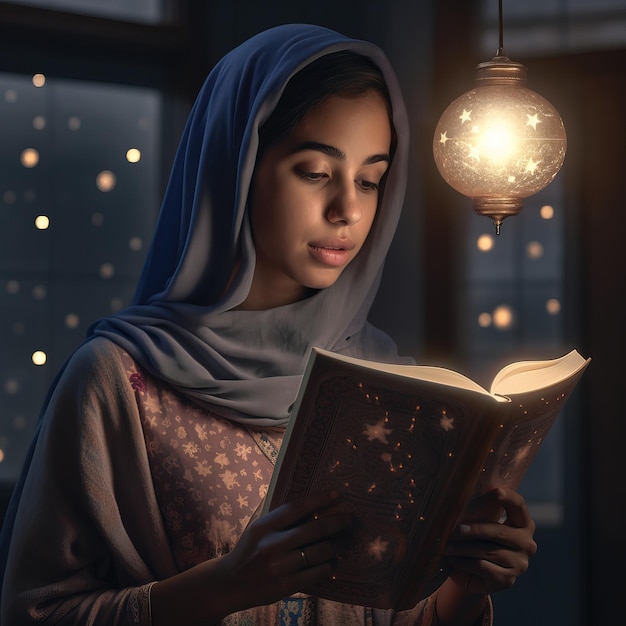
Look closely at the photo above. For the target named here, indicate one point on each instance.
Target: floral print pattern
(209, 474)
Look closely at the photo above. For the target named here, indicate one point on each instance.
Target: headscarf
(182, 327)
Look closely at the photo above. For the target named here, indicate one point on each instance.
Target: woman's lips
(333, 254)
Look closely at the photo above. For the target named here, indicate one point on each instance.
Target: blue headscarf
(182, 327)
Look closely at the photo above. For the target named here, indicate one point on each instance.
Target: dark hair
(342, 73)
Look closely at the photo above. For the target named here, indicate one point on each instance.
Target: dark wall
(599, 102)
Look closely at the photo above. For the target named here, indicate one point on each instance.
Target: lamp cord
(500, 52)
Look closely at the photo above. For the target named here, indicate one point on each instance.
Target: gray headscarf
(182, 327)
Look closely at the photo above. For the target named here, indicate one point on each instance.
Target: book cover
(407, 454)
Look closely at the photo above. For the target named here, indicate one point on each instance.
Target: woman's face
(314, 197)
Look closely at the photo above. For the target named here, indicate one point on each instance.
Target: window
(78, 196)
(540, 27)
(84, 139)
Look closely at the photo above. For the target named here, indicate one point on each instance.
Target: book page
(533, 375)
(431, 373)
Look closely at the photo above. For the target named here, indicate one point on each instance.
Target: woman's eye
(368, 185)
(313, 176)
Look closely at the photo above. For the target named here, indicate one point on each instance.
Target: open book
(409, 447)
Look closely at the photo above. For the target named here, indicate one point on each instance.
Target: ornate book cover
(407, 454)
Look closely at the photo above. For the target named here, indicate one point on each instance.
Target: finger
(516, 515)
(485, 539)
(489, 562)
(293, 562)
(295, 511)
(306, 578)
(313, 556)
(515, 508)
(480, 554)
(485, 507)
(482, 578)
(300, 568)
(502, 566)
(331, 529)
(304, 558)
(285, 583)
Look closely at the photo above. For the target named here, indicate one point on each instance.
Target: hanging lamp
(500, 142)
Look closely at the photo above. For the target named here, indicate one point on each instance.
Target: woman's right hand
(285, 551)
(288, 549)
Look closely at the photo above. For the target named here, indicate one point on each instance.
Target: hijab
(182, 327)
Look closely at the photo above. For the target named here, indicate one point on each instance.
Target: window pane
(78, 196)
(537, 27)
(147, 11)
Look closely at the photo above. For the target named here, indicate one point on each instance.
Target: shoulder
(97, 367)
(92, 399)
(97, 353)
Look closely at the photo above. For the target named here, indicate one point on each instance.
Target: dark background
(433, 47)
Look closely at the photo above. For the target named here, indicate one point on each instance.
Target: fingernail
(464, 528)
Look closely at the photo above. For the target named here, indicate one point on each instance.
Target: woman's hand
(279, 554)
(486, 553)
(288, 549)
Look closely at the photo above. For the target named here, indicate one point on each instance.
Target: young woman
(156, 445)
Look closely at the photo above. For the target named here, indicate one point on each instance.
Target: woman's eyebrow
(336, 153)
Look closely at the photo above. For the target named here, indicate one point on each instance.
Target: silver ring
(304, 559)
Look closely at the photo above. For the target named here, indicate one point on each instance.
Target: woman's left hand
(493, 544)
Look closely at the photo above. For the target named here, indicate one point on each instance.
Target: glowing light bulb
(500, 142)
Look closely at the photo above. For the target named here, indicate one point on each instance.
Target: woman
(157, 442)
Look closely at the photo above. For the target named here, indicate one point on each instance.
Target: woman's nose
(344, 206)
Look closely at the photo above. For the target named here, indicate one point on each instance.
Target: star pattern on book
(376, 549)
(446, 422)
(377, 431)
